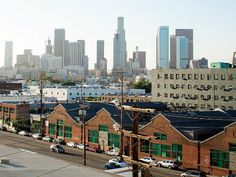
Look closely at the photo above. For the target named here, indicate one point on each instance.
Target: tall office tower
(66, 53)
(59, 39)
(172, 51)
(8, 54)
(141, 58)
(188, 33)
(73, 53)
(182, 59)
(162, 47)
(100, 53)
(81, 52)
(119, 46)
(49, 47)
(86, 64)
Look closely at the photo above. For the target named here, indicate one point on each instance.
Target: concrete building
(50, 63)
(49, 47)
(27, 60)
(8, 62)
(100, 53)
(203, 89)
(66, 53)
(73, 53)
(173, 51)
(81, 52)
(141, 57)
(119, 46)
(59, 39)
(162, 47)
(220, 65)
(182, 59)
(201, 63)
(188, 33)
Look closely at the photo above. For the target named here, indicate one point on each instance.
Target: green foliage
(68, 83)
(35, 126)
(143, 84)
(21, 124)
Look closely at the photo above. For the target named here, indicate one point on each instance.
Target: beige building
(202, 89)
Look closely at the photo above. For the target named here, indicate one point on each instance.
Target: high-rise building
(182, 59)
(201, 63)
(172, 51)
(162, 47)
(49, 47)
(119, 46)
(188, 33)
(141, 57)
(59, 39)
(66, 53)
(8, 54)
(100, 52)
(81, 52)
(73, 53)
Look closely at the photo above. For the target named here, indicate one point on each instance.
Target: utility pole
(41, 108)
(134, 143)
(121, 116)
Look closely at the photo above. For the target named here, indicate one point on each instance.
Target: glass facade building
(182, 59)
(162, 47)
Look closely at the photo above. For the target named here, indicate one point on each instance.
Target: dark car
(194, 173)
(111, 165)
(57, 148)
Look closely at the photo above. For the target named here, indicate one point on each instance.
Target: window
(51, 130)
(5, 109)
(93, 136)
(189, 76)
(113, 140)
(223, 77)
(177, 151)
(158, 85)
(196, 76)
(0, 108)
(177, 76)
(219, 158)
(232, 147)
(12, 110)
(70, 93)
(215, 76)
(160, 136)
(60, 128)
(161, 150)
(57, 93)
(166, 76)
(103, 128)
(171, 76)
(144, 146)
(202, 76)
(166, 95)
(68, 132)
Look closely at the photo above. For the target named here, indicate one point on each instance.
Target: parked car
(81, 146)
(194, 173)
(57, 148)
(47, 139)
(120, 162)
(113, 152)
(71, 144)
(23, 133)
(12, 130)
(37, 136)
(59, 141)
(111, 165)
(168, 164)
(149, 160)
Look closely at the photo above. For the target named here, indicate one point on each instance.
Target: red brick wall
(61, 114)
(220, 142)
(189, 149)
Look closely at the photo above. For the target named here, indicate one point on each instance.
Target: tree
(35, 126)
(143, 84)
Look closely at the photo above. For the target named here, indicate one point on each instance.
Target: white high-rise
(119, 46)
(8, 54)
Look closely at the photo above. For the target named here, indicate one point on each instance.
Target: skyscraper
(8, 54)
(73, 53)
(141, 58)
(182, 59)
(66, 53)
(81, 52)
(188, 33)
(59, 39)
(162, 47)
(100, 52)
(119, 46)
(172, 51)
(49, 47)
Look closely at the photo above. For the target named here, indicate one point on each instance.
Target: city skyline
(89, 21)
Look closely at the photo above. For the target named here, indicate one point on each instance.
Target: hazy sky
(28, 23)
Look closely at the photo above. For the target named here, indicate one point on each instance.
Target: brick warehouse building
(14, 111)
(200, 140)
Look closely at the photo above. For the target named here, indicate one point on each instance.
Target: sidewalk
(25, 163)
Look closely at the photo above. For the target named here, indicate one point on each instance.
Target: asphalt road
(72, 155)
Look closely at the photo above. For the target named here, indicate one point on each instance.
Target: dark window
(103, 128)
(144, 146)
(219, 158)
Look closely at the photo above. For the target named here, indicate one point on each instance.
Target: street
(72, 155)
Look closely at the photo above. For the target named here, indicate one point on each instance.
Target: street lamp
(82, 113)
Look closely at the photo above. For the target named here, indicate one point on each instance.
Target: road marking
(24, 150)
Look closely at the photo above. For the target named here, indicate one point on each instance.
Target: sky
(29, 23)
